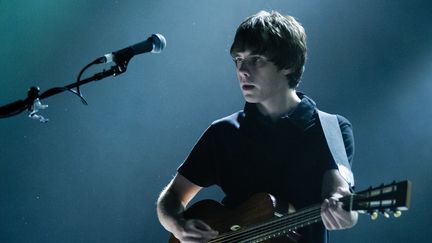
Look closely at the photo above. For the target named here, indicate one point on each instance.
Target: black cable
(70, 90)
(78, 92)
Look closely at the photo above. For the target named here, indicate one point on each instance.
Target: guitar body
(257, 209)
(259, 219)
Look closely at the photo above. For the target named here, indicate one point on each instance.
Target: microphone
(155, 44)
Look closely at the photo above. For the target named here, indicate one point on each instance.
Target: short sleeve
(198, 167)
(347, 136)
(346, 131)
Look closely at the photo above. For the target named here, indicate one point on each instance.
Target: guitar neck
(254, 220)
(385, 198)
(274, 228)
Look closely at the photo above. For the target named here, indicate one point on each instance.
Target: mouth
(247, 87)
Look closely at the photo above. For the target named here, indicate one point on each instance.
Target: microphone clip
(120, 68)
(114, 71)
(33, 98)
(35, 108)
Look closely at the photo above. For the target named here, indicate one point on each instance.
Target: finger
(195, 236)
(342, 191)
(325, 205)
(202, 225)
(193, 240)
(344, 217)
(335, 217)
(330, 220)
(205, 229)
(199, 228)
(334, 203)
(340, 219)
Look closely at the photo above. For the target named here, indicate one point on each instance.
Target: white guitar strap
(333, 135)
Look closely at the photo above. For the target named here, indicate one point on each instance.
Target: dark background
(93, 173)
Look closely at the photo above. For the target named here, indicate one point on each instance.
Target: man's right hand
(170, 207)
(194, 230)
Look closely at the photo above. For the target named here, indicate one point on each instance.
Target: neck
(279, 105)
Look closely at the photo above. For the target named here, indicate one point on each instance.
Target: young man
(275, 145)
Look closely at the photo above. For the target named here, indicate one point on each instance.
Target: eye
(237, 60)
(254, 60)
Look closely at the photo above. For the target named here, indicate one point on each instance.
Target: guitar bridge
(235, 227)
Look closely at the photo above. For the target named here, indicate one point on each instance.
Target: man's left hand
(333, 215)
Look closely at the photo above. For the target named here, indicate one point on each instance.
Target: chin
(250, 99)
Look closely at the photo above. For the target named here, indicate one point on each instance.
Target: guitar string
(298, 220)
(278, 230)
(284, 226)
(252, 231)
(291, 224)
(257, 232)
(269, 223)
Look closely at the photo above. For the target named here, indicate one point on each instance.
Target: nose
(243, 69)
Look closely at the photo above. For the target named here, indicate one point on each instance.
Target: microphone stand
(32, 102)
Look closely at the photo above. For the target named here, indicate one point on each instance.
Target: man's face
(260, 79)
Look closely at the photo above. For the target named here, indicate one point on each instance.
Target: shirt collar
(302, 116)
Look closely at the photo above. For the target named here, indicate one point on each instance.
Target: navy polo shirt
(247, 152)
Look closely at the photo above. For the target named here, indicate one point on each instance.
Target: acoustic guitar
(257, 220)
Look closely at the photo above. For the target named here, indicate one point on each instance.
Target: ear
(286, 71)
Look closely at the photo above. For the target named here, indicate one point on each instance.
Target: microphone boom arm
(155, 43)
(19, 106)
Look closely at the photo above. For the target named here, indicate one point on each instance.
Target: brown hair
(280, 38)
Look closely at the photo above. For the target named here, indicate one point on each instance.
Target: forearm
(333, 215)
(170, 207)
(170, 210)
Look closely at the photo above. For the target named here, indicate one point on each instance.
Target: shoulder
(345, 128)
(222, 127)
(343, 122)
(232, 121)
